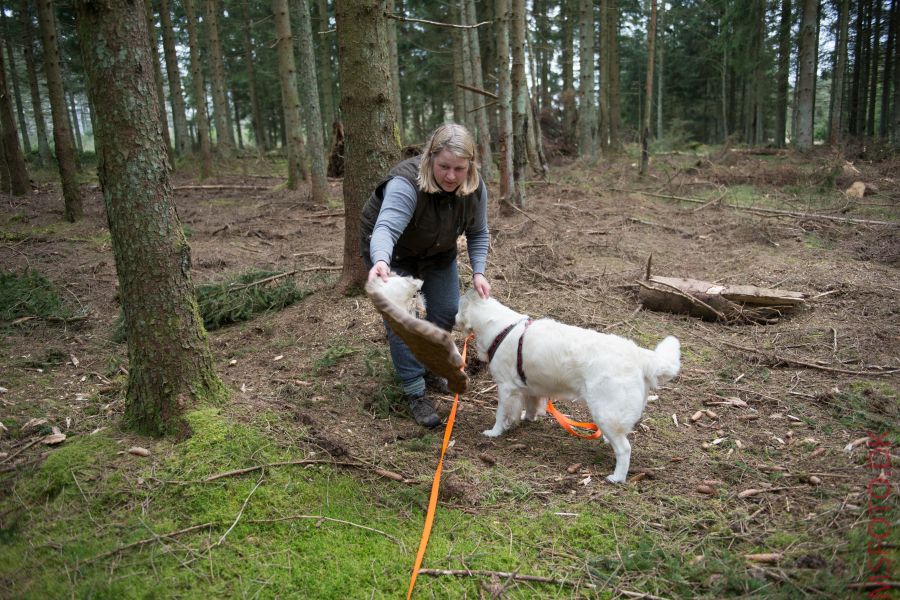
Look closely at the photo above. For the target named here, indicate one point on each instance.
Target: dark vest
(429, 239)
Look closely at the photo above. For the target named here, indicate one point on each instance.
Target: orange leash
(436, 484)
(569, 425)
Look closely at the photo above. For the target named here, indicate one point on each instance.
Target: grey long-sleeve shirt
(396, 212)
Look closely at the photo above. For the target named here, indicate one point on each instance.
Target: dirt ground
(808, 384)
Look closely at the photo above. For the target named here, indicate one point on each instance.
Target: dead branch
(281, 464)
(262, 281)
(477, 90)
(864, 585)
(323, 215)
(146, 541)
(238, 517)
(235, 186)
(20, 450)
(689, 298)
(435, 23)
(776, 360)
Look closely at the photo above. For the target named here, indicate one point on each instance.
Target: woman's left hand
(481, 285)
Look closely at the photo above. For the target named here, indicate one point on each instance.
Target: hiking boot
(423, 412)
(436, 383)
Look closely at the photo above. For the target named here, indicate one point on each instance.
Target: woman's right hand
(381, 270)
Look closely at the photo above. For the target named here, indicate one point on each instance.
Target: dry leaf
(54, 439)
(768, 557)
(277, 358)
(75, 361)
(34, 423)
(389, 474)
(586, 480)
(138, 451)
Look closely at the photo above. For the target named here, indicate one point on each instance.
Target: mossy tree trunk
(62, 137)
(173, 74)
(15, 173)
(290, 97)
(170, 365)
(372, 134)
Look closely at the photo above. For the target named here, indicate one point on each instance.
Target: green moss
(30, 294)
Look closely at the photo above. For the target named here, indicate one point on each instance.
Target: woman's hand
(381, 270)
(481, 285)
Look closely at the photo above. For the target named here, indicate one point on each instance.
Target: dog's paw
(492, 432)
(614, 479)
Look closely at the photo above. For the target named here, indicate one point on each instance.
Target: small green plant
(331, 357)
(30, 295)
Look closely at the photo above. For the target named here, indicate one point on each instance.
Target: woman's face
(449, 170)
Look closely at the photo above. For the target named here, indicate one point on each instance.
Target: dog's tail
(666, 362)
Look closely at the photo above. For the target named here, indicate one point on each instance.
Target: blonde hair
(457, 140)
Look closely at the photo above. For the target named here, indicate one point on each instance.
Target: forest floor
(313, 382)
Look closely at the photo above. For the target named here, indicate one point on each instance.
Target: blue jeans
(441, 291)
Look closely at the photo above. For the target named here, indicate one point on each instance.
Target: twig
(87, 504)
(776, 359)
(323, 215)
(235, 186)
(239, 515)
(261, 281)
(20, 450)
(436, 23)
(874, 584)
(280, 464)
(500, 574)
(147, 541)
(477, 90)
(532, 219)
(323, 518)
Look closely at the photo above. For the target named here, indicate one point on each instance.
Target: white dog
(611, 374)
(400, 290)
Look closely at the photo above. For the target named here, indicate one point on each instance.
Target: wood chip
(852, 445)
(389, 474)
(487, 458)
(637, 477)
(705, 489)
(817, 452)
(814, 480)
(711, 414)
(572, 469)
(768, 557)
(138, 451)
(696, 416)
(751, 417)
(54, 439)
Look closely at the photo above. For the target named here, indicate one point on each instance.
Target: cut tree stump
(717, 302)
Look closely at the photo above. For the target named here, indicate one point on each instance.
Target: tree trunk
(459, 75)
(15, 173)
(659, 74)
(14, 81)
(65, 153)
(395, 65)
(326, 81)
(315, 146)
(259, 131)
(173, 74)
(170, 363)
(290, 98)
(806, 88)
(37, 109)
(836, 131)
(873, 71)
(587, 114)
(648, 91)
(615, 100)
(237, 121)
(784, 66)
(519, 100)
(895, 133)
(483, 132)
(603, 81)
(76, 129)
(199, 85)
(504, 89)
(888, 81)
(224, 137)
(370, 123)
(865, 41)
(157, 72)
(567, 97)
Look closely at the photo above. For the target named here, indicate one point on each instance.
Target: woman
(410, 224)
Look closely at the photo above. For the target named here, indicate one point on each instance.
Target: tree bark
(392, 25)
(372, 134)
(567, 97)
(15, 173)
(65, 153)
(873, 71)
(76, 129)
(37, 109)
(836, 130)
(326, 81)
(519, 100)
(784, 66)
(224, 136)
(888, 81)
(504, 88)
(315, 145)
(157, 72)
(806, 88)
(615, 100)
(648, 91)
(587, 115)
(199, 86)
(173, 74)
(170, 364)
(290, 98)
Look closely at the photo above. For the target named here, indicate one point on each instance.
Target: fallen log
(717, 302)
